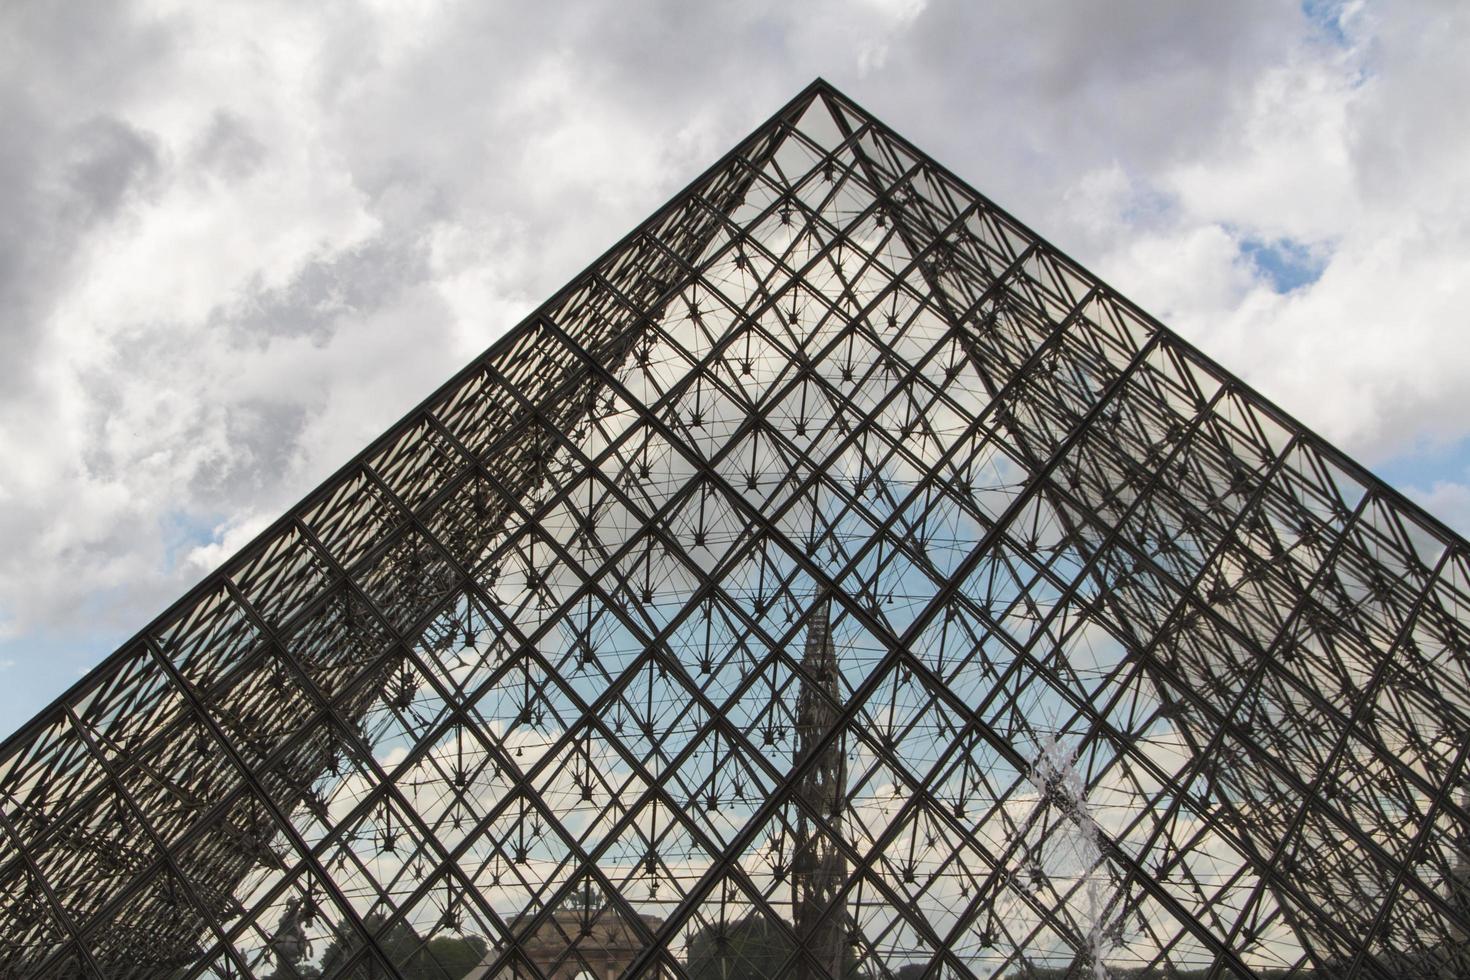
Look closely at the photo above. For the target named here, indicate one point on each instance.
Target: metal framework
(834, 580)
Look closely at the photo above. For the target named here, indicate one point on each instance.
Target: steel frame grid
(1172, 687)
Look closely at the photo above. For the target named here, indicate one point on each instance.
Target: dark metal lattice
(834, 580)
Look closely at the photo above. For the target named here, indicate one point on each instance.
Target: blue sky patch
(1285, 263)
(39, 664)
(183, 532)
(1326, 17)
(1425, 467)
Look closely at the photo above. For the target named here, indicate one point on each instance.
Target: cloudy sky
(238, 241)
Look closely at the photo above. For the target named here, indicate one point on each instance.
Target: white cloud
(226, 539)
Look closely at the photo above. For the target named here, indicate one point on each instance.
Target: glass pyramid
(833, 581)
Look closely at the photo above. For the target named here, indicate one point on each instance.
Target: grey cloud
(349, 283)
(53, 191)
(262, 440)
(87, 51)
(1134, 83)
(228, 148)
(107, 162)
(66, 162)
(61, 64)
